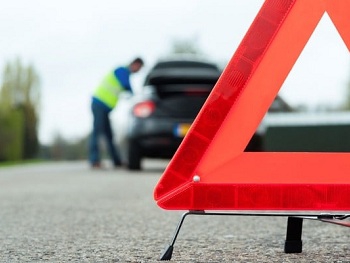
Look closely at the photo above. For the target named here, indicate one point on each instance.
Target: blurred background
(54, 53)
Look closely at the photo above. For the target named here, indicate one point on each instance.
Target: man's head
(136, 65)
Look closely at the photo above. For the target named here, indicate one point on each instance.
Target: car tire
(134, 157)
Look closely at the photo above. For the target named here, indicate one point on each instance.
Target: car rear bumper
(158, 137)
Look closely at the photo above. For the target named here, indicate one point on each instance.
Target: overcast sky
(72, 44)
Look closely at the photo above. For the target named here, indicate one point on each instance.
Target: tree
(11, 135)
(20, 91)
(185, 46)
(62, 149)
(346, 104)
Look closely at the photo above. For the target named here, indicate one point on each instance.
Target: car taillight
(196, 92)
(144, 109)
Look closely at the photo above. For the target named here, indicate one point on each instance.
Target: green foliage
(11, 135)
(62, 149)
(20, 85)
(30, 137)
(346, 104)
(185, 46)
(20, 93)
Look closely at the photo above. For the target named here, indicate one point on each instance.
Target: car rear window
(182, 75)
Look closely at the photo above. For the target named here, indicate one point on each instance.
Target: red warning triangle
(211, 171)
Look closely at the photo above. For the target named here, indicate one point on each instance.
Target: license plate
(181, 129)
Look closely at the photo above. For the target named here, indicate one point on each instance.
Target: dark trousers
(101, 128)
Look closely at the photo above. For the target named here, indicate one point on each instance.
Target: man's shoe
(96, 166)
(119, 165)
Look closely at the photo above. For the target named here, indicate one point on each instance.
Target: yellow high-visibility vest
(108, 91)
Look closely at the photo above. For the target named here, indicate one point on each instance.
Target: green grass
(14, 163)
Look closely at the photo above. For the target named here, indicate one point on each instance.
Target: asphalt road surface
(65, 212)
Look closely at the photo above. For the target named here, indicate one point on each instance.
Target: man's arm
(123, 75)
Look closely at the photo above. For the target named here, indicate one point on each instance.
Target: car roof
(181, 63)
(182, 68)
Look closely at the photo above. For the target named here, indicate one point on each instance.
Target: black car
(153, 123)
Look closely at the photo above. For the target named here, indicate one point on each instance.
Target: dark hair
(138, 60)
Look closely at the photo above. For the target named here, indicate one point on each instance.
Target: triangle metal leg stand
(168, 251)
(293, 242)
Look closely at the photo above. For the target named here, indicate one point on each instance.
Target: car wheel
(134, 157)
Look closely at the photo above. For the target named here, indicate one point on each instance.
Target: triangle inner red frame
(211, 171)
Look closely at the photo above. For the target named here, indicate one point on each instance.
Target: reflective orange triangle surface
(210, 171)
